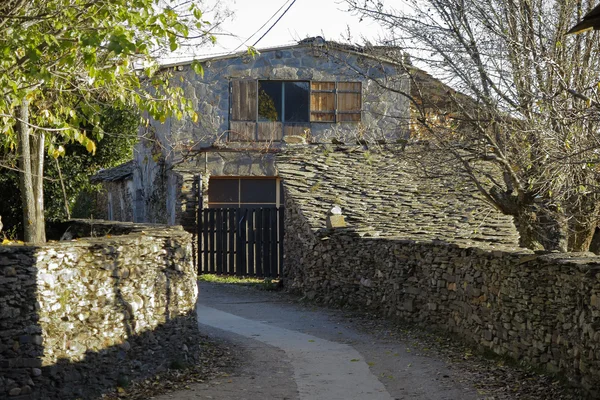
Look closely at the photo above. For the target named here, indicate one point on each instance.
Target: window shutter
(243, 100)
(243, 110)
(322, 102)
(349, 101)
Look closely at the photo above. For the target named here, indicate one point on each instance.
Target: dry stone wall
(543, 310)
(82, 316)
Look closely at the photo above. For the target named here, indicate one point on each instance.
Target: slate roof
(118, 173)
(392, 193)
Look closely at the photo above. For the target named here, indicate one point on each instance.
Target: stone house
(251, 107)
(264, 120)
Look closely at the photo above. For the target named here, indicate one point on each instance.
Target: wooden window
(283, 101)
(242, 124)
(348, 101)
(227, 192)
(266, 110)
(336, 102)
(322, 98)
(243, 100)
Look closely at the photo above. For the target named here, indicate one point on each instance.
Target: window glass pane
(269, 101)
(258, 191)
(223, 191)
(296, 101)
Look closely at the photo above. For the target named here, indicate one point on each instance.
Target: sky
(305, 18)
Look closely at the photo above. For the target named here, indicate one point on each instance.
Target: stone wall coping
(132, 231)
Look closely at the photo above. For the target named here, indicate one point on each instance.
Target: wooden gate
(241, 241)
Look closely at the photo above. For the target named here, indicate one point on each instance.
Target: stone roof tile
(118, 173)
(384, 192)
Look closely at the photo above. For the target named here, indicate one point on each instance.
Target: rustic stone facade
(81, 316)
(170, 155)
(542, 310)
(116, 200)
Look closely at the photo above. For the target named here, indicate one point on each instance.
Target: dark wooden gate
(241, 241)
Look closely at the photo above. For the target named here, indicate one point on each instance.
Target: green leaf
(197, 68)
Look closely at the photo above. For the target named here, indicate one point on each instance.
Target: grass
(263, 284)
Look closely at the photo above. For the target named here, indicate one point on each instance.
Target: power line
(275, 23)
(265, 24)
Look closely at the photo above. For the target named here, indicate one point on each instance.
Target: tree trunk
(582, 225)
(31, 163)
(37, 165)
(540, 229)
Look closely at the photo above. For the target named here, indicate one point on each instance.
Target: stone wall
(385, 112)
(169, 152)
(79, 317)
(543, 310)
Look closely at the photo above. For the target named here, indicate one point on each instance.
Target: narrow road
(292, 351)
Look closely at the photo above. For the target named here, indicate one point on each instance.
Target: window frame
(336, 91)
(239, 203)
(254, 124)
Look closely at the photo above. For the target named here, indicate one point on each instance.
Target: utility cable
(263, 25)
(275, 23)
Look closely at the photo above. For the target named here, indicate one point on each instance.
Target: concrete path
(291, 351)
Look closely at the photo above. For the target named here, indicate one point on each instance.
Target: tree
(66, 185)
(63, 60)
(523, 100)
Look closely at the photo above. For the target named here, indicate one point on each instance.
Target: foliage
(64, 61)
(529, 108)
(120, 127)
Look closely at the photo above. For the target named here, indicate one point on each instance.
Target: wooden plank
(322, 85)
(280, 236)
(219, 239)
(241, 253)
(250, 246)
(238, 240)
(242, 131)
(266, 242)
(224, 236)
(259, 241)
(243, 100)
(349, 87)
(322, 102)
(231, 241)
(205, 267)
(322, 117)
(199, 252)
(297, 130)
(349, 102)
(349, 117)
(211, 239)
(269, 131)
(273, 239)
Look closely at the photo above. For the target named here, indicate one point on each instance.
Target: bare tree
(522, 98)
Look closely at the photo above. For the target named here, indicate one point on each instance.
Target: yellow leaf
(91, 147)
(6, 241)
